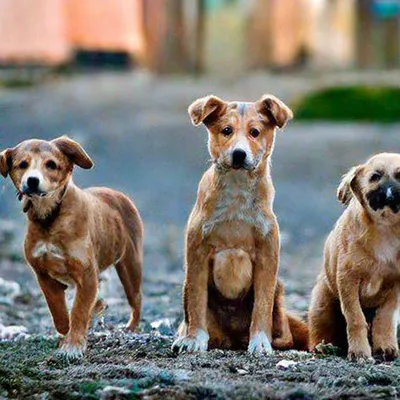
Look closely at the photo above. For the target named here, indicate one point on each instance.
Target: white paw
(259, 343)
(71, 351)
(189, 344)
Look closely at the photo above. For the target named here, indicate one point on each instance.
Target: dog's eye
(227, 131)
(23, 164)
(397, 176)
(254, 132)
(51, 165)
(375, 177)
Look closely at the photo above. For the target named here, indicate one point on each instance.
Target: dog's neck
(44, 210)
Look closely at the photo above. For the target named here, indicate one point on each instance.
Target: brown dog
(73, 234)
(361, 275)
(231, 297)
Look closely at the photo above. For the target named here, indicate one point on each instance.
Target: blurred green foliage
(353, 103)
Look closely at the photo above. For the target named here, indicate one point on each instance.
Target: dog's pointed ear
(74, 151)
(5, 162)
(206, 109)
(348, 186)
(275, 110)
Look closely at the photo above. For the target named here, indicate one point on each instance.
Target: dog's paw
(388, 353)
(72, 350)
(259, 343)
(360, 355)
(191, 344)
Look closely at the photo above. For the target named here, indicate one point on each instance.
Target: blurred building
(222, 36)
(51, 31)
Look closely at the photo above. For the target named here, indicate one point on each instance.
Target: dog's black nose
(33, 183)
(238, 158)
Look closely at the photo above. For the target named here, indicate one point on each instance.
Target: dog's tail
(289, 330)
(299, 330)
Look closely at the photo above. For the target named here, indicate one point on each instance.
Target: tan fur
(361, 269)
(73, 235)
(232, 244)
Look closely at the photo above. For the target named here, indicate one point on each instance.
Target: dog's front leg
(357, 327)
(195, 298)
(54, 292)
(384, 328)
(265, 280)
(74, 344)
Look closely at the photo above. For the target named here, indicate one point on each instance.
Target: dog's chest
(387, 250)
(236, 201)
(56, 259)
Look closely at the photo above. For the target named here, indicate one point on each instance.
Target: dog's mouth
(32, 193)
(243, 167)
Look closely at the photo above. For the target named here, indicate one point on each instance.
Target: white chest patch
(43, 249)
(237, 202)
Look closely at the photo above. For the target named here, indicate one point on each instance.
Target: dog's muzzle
(32, 187)
(239, 159)
(387, 195)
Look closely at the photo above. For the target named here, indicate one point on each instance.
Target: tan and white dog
(73, 234)
(231, 296)
(356, 297)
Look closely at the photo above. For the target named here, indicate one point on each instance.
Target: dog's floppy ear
(206, 109)
(274, 109)
(5, 162)
(348, 186)
(74, 151)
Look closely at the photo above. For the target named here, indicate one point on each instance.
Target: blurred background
(118, 76)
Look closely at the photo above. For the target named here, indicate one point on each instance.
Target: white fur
(237, 202)
(259, 343)
(243, 144)
(187, 344)
(373, 287)
(72, 352)
(47, 249)
(78, 251)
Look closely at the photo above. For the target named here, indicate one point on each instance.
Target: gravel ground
(137, 130)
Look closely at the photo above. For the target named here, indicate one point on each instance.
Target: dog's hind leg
(129, 269)
(325, 320)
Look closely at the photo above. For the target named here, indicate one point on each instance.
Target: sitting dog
(73, 235)
(360, 281)
(231, 296)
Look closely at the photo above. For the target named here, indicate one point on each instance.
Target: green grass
(353, 103)
(17, 83)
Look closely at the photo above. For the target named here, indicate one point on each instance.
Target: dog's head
(39, 168)
(241, 135)
(375, 184)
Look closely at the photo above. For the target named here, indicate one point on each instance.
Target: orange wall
(33, 31)
(46, 31)
(112, 25)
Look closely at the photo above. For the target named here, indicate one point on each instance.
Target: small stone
(114, 392)
(12, 332)
(242, 371)
(362, 380)
(163, 326)
(285, 364)
(9, 290)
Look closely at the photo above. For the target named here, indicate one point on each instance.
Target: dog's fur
(73, 234)
(231, 296)
(360, 281)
